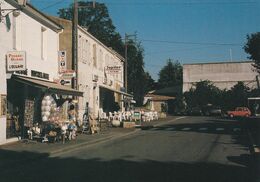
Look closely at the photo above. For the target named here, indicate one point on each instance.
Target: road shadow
(42, 168)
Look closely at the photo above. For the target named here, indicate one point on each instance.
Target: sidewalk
(82, 140)
(53, 148)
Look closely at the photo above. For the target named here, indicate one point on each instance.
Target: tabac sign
(113, 69)
(62, 61)
(16, 61)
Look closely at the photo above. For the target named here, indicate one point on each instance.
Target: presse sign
(16, 61)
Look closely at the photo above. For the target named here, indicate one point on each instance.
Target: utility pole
(75, 40)
(125, 63)
(75, 44)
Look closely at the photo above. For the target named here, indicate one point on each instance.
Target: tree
(136, 74)
(149, 82)
(170, 75)
(239, 94)
(252, 48)
(202, 94)
(98, 23)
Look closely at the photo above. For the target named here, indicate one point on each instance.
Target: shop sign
(62, 58)
(16, 61)
(94, 78)
(113, 69)
(68, 74)
(39, 74)
(65, 81)
(110, 83)
(105, 80)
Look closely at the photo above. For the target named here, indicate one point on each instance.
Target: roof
(54, 18)
(37, 15)
(50, 87)
(168, 91)
(221, 62)
(154, 97)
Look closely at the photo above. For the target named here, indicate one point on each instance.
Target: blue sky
(194, 30)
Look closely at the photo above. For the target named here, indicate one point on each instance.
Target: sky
(188, 31)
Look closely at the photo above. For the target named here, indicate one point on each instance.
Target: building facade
(100, 71)
(224, 75)
(29, 44)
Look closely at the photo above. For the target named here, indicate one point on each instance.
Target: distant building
(224, 75)
(159, 103)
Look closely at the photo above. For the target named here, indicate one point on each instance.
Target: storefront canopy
(117, 91)
(50, 87)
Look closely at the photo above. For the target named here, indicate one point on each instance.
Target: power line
(183, 3)
(180, 50)
(191, 43)
(53, 4)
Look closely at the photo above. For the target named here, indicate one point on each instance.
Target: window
(80, 42)
(17, 42)
(100, 59)
(94, 55)
(84, 51)
(43, 43)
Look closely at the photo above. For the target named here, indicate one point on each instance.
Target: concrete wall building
(37, 37)
(224, 75)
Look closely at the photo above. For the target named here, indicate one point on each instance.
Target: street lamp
(5, 12)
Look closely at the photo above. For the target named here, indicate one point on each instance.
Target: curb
(175, 119)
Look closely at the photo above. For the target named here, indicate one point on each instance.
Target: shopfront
(33, 101)
(112, 100)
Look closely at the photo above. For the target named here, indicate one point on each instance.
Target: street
(186, 149)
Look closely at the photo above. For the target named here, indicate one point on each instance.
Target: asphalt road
(190, 149)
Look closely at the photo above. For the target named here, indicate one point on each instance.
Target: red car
(239, 112)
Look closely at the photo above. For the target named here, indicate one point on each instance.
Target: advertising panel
(16, 61)
(62, 58)
(113, 69)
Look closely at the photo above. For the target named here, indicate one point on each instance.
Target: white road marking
(186, 129)
(237, 129)
(168, 129)
(155, 129)
(220, 129)
(203, 129)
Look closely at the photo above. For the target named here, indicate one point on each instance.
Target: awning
(50, 87)
(117, 91)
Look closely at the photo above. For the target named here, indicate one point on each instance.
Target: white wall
(5, 45)
(31, 43)
(25, 35)
(223, 75)
(87, 69)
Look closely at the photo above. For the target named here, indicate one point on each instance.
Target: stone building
(100, 71)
